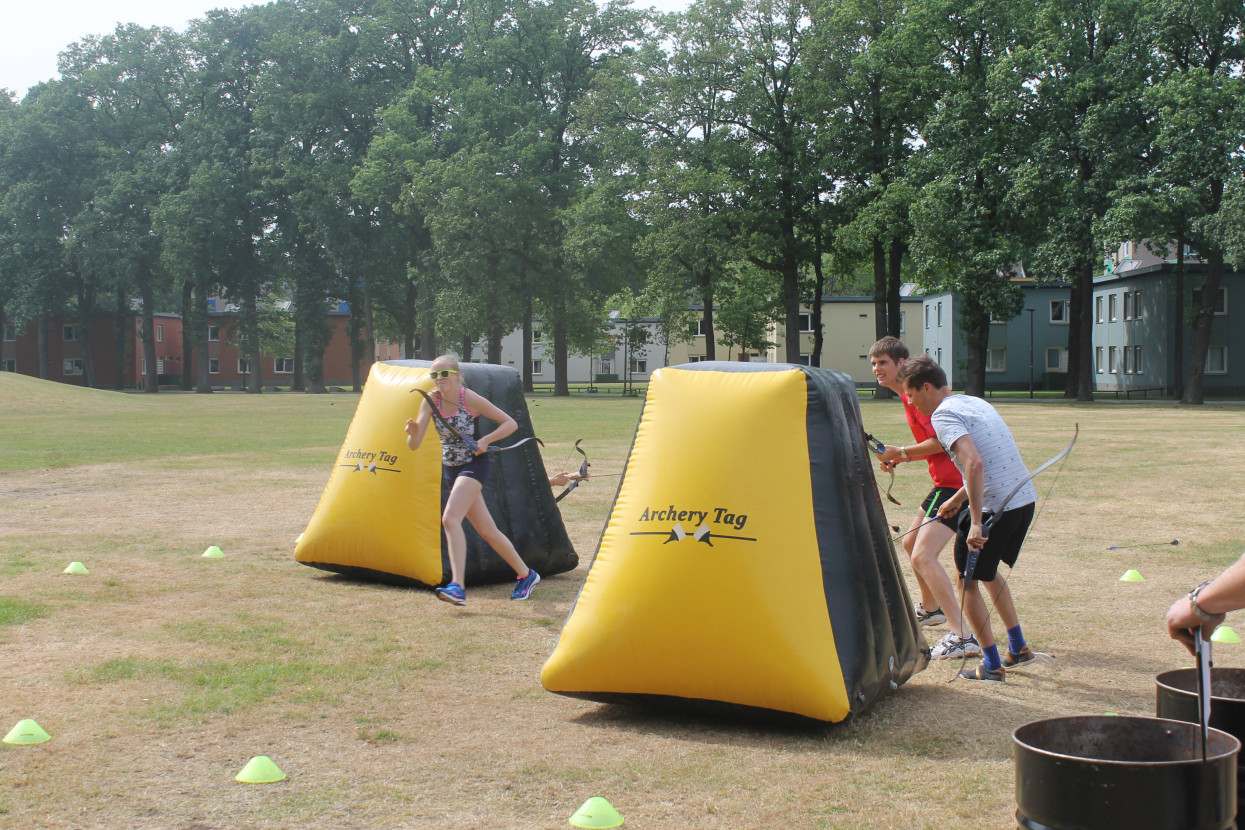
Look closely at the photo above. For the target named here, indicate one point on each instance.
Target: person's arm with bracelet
(1205, 606)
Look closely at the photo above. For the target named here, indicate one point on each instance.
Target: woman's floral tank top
(453, 452)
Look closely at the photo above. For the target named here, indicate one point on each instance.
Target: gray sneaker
(953, 646)
(927, 618)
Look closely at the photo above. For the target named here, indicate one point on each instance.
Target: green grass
(388, 709)
(14, 611)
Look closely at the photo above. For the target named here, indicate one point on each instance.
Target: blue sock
(990, 656)
(1015, 639)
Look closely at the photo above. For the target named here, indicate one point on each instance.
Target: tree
(1197, 96)
(879, 82)
(968, 222)
(1083, 67)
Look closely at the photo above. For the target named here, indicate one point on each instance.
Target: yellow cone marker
(1131, 575)
(27, 732)
(595, 814)
(260, 770)
(75, 568)
(213, 553)
(1223, 634)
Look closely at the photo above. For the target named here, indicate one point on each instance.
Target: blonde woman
(465, 467)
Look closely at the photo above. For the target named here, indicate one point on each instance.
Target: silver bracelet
(1197, 609)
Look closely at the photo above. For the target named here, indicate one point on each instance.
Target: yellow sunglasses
(443, 373)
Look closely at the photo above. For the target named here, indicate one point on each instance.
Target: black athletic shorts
(477, 468)
(936, 498)
(1007, 534)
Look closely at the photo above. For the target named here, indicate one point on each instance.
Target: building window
(1136, 360)
(1056, 359)
(1098, 359)
(806, 323)
(244, 366)
(1128, 305)
(926, 316)
(1221, 302)
(213, 365)
(1128, 361)
(73, 366)
(938, 316)
(159, 334)
(8, 365)
(69, 334)
(1059, 311)
(1217, 360)
(1137, 307)
(213, 333)
(283, 365)
(1113, 360)
(640, 366)
(537, 335)
(1098, 318)
(1111, 308)
(903, 315)
(996, 360)
(10, 334)
(143, 366)
(538, 366)
(695, 358)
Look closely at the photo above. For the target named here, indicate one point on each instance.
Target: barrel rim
(1234, 742)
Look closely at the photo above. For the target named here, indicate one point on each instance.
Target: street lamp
(1030, 351)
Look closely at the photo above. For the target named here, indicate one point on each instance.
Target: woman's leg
(482, 521)
(465, 492)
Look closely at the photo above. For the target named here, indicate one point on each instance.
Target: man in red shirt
(927, 535)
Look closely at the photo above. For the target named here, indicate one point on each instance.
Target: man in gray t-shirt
(979, 442)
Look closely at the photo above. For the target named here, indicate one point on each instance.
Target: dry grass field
(160, 674)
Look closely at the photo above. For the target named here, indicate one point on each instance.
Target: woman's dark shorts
(477, 468)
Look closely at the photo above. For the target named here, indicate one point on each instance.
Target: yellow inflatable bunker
(747, 561)
(380, 513)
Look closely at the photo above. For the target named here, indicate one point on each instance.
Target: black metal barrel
(1098, 772)
(1176, 698)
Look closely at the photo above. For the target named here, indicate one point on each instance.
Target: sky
(34, 32)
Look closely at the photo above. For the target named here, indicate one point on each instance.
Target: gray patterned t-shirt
(960, 415)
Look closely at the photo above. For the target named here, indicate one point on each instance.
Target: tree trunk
(204, 385)
(188, 337)
(893, 275)
(975, 323)
(1199, 343)
(298, 382)
(1085, 333)
(121, 336)
(86, 308)
(879, 289)
(560, 352)
(42, 339)
(1178, 313)
(428, 325)
(819, 286)
(494, 343)
(706, 318)
(146, 330)
(527, 344)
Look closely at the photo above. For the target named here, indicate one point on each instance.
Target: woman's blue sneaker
(525, 585)
(453, 594)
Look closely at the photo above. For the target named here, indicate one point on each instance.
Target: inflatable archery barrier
(380, 514)
(747, 561)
